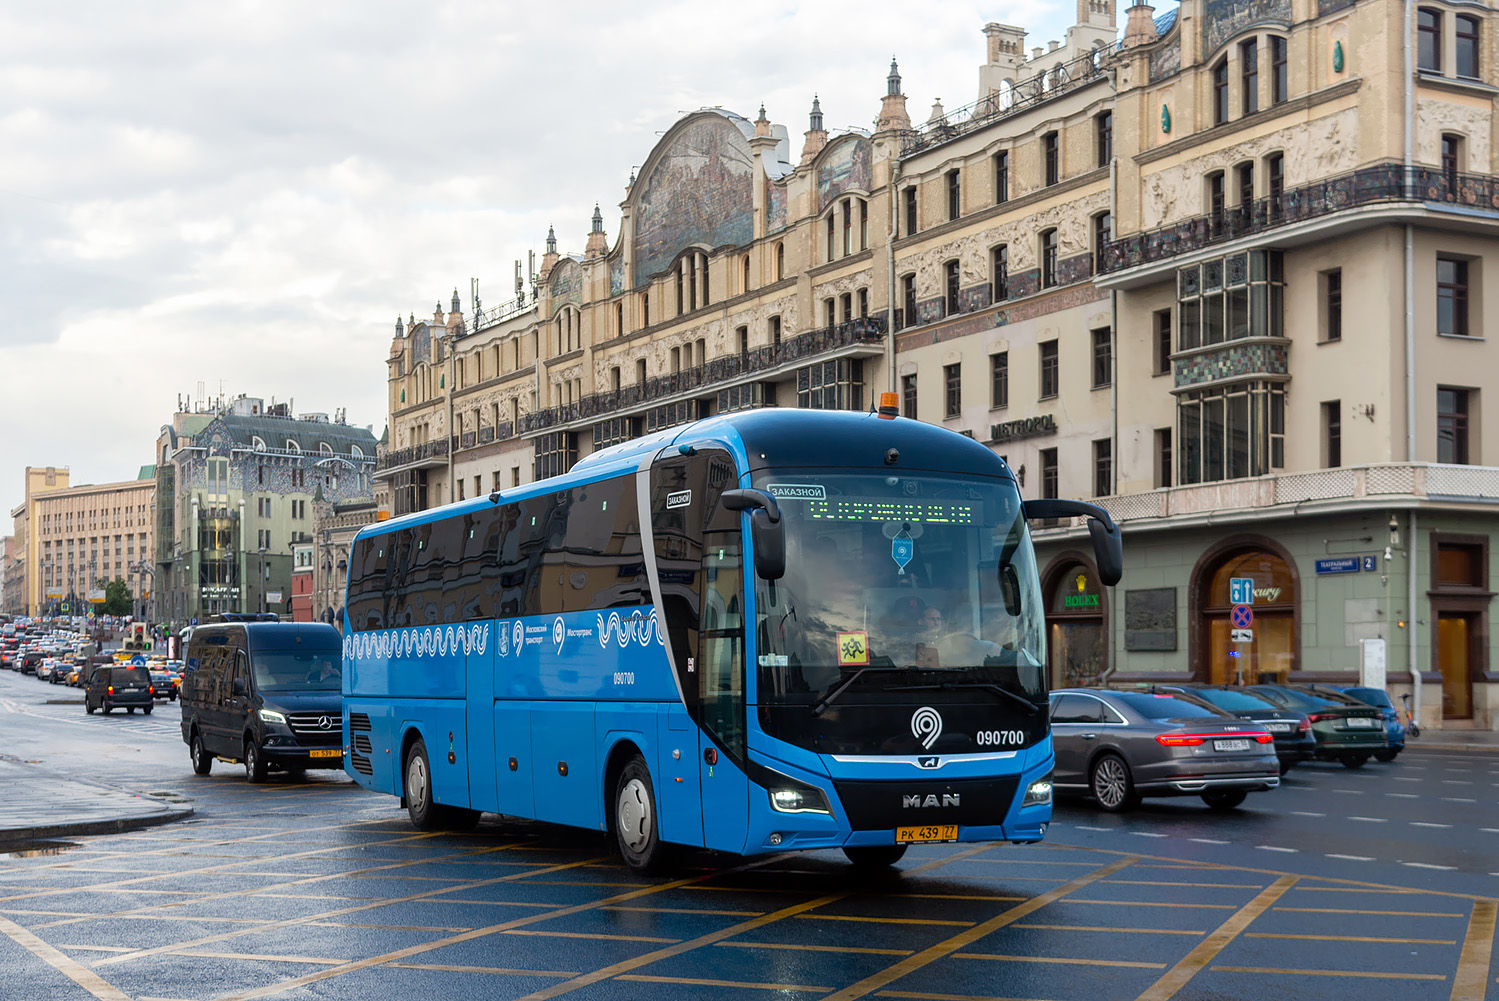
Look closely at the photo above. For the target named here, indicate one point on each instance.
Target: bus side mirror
(1108, 546)
(767, 534)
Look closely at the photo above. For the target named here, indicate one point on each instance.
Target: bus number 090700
(1000, 738)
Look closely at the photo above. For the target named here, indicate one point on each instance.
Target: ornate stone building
(1226, 274)
(235, 482)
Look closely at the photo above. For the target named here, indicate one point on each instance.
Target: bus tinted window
(464, 596)
(603, 564)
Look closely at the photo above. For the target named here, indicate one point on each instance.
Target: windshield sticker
(853, 649)
(796, 491)
(679, 499)
(902, 548)
(772, 660)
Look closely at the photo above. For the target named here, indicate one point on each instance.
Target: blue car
(1380, 699)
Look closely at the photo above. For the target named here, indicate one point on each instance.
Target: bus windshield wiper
(842, 686)
(1025, 703)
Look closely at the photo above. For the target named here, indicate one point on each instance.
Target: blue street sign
(137, 661)
(1370, 563)
(1342, 564)
(193, 621)
(1241, 590)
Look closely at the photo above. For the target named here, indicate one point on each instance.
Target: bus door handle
(710, 756)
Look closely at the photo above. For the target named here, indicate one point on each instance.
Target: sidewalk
(1472, 741)
(42, 804)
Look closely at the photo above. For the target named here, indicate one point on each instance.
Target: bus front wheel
(635, 819)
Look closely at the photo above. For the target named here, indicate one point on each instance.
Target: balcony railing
(864, 330)
(1379, 484)
(1043, 86)
(436, 449)
(1384, 182)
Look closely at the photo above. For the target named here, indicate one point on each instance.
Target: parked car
(1292, 731)
(1345, 729)
(1118, 746)
(117, 687)
(1394, 730)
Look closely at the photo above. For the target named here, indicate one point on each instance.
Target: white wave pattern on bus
(636, 628)
(419, 641)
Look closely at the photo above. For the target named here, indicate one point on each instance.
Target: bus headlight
(1038, 793)
(788, 796)
(272, 716)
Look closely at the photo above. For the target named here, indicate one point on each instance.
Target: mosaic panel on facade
(775, 206)
(697, 193)
(421, 345)
(1224, 19)
(847, 167)
(1232, 361)
(1166, 60)
(567, 284)
(617, 278)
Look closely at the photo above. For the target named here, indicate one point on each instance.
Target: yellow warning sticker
(853, 649)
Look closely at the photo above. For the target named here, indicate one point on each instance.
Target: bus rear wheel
(875, 856)
(635, 819)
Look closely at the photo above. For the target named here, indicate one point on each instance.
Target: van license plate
(1230, 745)
(942, 832)
(333, 753)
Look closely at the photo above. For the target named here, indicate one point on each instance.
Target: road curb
(1461, 748)
(13, 836)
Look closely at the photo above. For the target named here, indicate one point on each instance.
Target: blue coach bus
(773, 630)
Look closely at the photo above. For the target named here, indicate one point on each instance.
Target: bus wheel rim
(635, 815)
(416, 780)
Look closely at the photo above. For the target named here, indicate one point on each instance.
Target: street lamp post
(262, 579)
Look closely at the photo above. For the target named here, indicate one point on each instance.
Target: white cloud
(251, 192)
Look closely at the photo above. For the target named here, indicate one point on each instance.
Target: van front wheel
(254, 762)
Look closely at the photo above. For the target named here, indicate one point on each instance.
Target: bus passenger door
(696, 545)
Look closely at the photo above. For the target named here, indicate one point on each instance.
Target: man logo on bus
(926, 726)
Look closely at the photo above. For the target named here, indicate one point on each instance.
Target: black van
(264, 693)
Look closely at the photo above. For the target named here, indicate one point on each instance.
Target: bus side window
(604, 567)
(721, 632)
(463, 598)
(677, 530)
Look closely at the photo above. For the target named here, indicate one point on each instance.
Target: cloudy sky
(246, 194)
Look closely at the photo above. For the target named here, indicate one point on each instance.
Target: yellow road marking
(1352, 938)
(1336, 910)
(1167, 882)
(1357, 889)
(314, 960)
(487, 903)
(951, 896)
(1331, 973)
(444, 968)
(588, 935)
(885, 921)
(68, 967)
(1107, 928)
(1061, 960)
(1468, 983)
(350, 924)
(949, 946)
(721, 983)
(797, 947)
(1153, 903)
(1207, 950)
(96, 948)
(921, 996)
(687, 910)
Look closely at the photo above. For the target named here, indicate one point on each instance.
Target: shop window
(1269, 650)
(1076, 609)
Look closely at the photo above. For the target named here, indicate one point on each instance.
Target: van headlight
(790, 796)
(272, 716)
(1038, 793)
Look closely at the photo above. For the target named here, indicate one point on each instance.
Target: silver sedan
(1117, 746)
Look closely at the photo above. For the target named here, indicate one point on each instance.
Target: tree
(117, 599)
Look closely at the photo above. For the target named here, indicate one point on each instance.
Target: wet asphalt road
(1379, 883)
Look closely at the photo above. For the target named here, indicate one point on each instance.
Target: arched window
(356, 451)
(325, 448)
(1267, 650)
(1076, 623)
(292, 446)
(257, 443)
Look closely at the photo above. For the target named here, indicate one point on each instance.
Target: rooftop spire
(598, 219)
(551, 240)
(893, 80)
(816, 116)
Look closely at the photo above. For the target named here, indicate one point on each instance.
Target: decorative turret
(598, 243)
(893, 114)
(550, 258)
(816, 135)
(1139, 26)
(400, 326)
(762, 124)
(938, 115)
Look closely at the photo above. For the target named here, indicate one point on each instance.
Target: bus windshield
(918, 583)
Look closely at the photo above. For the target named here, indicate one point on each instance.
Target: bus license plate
(334, 753)
(943, 832)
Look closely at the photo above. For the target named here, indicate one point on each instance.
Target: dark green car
(1345, 729)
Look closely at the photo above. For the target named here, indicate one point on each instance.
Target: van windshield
(311, 670)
